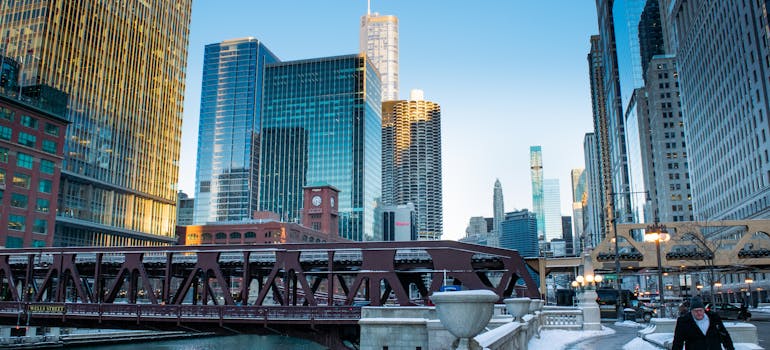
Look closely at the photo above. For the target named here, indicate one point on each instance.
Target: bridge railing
(561, 318)
(138, 311)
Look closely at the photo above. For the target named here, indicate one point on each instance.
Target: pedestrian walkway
(621, 336)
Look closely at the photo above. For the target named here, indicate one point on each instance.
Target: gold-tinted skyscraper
(123, 65)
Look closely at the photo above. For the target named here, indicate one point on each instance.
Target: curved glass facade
(321, 123)
(227, 174)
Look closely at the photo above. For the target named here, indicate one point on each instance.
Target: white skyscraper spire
(499, 213)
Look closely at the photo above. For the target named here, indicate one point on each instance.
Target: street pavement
(622, 336)
(762, 321)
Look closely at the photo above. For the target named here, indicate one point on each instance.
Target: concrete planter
(464, 313)
(517, 307)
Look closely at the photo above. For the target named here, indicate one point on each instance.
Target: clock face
(316, 200)
(332, 201)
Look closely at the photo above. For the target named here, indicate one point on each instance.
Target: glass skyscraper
(552, 209)
(321, 123)
(536, 171)
(123, 66)
(227, 173)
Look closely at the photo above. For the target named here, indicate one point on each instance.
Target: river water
(234, 342)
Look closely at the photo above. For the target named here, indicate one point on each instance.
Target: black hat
(696, 303)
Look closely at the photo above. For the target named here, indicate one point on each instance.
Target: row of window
(24, 181)
(29, 140)
(21, 201)
(29, 122)
(19, 223)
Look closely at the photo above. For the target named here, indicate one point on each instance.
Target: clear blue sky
(508, 74)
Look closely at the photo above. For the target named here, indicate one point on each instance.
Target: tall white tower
(499, 213)
(378, 39)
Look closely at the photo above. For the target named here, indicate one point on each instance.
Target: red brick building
(32, 132)
(252, 232)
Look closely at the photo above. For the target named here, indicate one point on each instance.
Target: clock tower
(319, 209)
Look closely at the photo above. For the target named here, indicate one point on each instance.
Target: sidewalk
(623, 335)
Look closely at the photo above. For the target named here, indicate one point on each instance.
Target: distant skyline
(508, 75)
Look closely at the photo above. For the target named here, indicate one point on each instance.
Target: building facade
(536, 175)
(378, 39)
(227, 170)
(322, 123)
(579, 197)
(520, 233)
(727, 143)
(552, 209)
(126, 90)
(411, 160)
(593, 209)
(185, 207)
(252, 231)
(498, 207)
(31, 154)
(399, 223)
(671, 189)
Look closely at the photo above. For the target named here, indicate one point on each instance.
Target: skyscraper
(611, 89)
(593, 225)
(499, 211)
(378, 39)
(411, 160)
(519, 231)
(123, 67)
(321, 123)
(536, 174)
(650, 34)
(579, 198)
(552, 209)
(227, 172)
(726, 107)
(600, 160)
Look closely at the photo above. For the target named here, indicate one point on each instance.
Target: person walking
(701, 330)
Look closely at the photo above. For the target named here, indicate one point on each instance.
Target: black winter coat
(688, 336)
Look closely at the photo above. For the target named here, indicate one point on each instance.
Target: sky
(508, 74)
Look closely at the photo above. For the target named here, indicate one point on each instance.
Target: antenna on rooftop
(368, 7)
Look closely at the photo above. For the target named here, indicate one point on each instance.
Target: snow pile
(639, 344)
(554, 339)
(628, 323)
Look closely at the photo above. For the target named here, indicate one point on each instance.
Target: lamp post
(618, 306)
(749, 281)
(657, 233)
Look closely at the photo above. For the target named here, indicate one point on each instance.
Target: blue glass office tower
(322, 122)
(227, 173)
(519, 231)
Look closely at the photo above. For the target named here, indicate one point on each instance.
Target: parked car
(730, 311)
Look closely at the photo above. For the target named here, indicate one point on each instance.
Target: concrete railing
(570, 319)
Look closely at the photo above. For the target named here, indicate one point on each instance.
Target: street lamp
(658, 233)
(587, 282)
(749, 281)
(618, 307)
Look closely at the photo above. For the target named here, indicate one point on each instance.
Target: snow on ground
(554, 339)
(628, 323)
(639, 344)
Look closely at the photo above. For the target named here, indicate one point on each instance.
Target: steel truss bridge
(313, 291)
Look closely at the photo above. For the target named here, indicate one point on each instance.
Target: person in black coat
(701, 330)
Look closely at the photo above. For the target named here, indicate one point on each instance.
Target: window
(2, 176)
(27, 139)
(49, 146)
(16, 222)
(51, 129)
(3, 155)
(6, 114)
(24, 160)
(40, 226)
(5, 133)
(43, 205)
(19, 200)
(44, 186)
(14, 242)
(38, 244)
(250, 235)
(221, 235)
(47, 166)
(28, 121)
(21, 180)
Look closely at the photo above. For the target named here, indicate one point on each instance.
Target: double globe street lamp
(658, 233)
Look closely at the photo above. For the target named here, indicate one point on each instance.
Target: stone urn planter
(517, 307)
(464, 313)
(535, 305)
